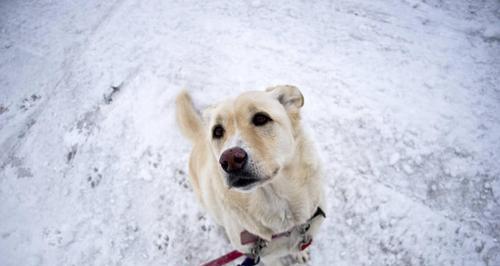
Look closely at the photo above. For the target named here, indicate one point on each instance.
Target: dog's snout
(233, 160)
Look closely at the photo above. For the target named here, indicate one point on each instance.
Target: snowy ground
(403, 98)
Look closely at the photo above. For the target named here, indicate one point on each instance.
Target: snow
(402, 98)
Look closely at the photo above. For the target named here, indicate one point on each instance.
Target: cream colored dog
(254, 170)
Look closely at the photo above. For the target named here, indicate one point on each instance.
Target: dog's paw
(302, 257)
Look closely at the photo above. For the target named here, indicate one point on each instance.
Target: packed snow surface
(401, 97)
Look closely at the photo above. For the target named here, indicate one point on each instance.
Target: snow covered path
(403, 97)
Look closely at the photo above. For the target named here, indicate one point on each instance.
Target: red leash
(225, 258)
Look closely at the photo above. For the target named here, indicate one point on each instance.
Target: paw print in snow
(154, 160)
(162, 242)
(58, 237)
(181, 178)
(205, 224)
(29, 102)
(95, 178)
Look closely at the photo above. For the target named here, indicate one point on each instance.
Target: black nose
(233, 160)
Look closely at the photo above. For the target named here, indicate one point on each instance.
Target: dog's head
(253, 136)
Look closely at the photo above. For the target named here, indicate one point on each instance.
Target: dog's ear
(188, 118)
(289, 96)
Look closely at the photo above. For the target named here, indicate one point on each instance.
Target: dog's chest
(280, 213)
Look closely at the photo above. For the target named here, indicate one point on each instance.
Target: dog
(255, 171)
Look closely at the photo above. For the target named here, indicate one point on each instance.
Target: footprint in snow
(29, 102)
(94, 178)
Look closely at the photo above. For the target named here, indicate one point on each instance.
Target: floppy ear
(289, 96)
(188, 119)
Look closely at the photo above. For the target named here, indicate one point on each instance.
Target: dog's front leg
(305, 236)
(292, 243)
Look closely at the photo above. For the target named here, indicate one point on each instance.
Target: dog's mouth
(243, 182)
(247, 181)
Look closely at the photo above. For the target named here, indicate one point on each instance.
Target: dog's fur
(280, 156)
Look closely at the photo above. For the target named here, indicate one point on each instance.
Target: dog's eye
(260, 119)
(218, 132)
